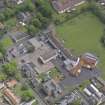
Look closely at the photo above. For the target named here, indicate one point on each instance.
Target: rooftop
(11, 83)
(48, 55)
(64, 5)
(13, 100)
(52, 88)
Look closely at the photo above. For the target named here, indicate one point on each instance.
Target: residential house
(69, 64)
(94, 95)
(88, 61)
(10, 97)
(24, 18)
(62, 6)
(11, 83)
(26, 47)
(28, 70)
(52, 88)
(15, 2)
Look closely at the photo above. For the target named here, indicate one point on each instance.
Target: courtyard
(84, 30)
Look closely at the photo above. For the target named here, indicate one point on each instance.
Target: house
(94, 95)
(62, 6)
(88, 60)
(52, 88)
(11, 83)
(69, 64)
(10, 97)
(48, 56)
(73, 67)
(24, 18)
(15, 2)
(26, 47)
(76, 70)
(29, 70)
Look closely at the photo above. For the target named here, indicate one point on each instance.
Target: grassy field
(82, 34)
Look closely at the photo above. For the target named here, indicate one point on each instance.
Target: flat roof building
(48, 56)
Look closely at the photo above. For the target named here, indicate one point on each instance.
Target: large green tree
(44, 8)
(27, 95)
(10, 69)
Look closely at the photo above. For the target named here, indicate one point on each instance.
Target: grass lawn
(82, 34)
(7, 42)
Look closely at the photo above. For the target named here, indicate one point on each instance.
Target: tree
(103, 40)
(46, 11)
(8, 13)
(36, 22)
(27, 95)
(2, 49)
(45, 22)
(30, 6)
(10, 69)
(97, 10)
(2, 17)
(32, 30)
(2, 76)
(77, 102)
(44, 8)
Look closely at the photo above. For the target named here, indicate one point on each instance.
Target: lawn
(6, 42)
(82, 34)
